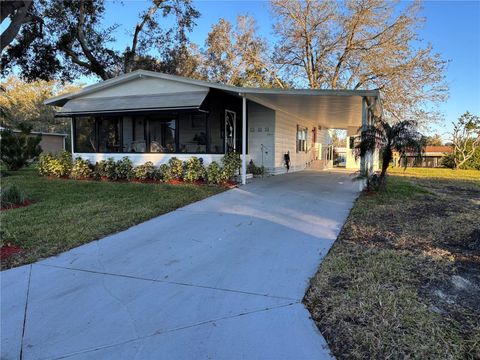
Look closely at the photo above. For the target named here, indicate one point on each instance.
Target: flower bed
(175, 172)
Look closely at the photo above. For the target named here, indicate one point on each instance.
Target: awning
(171, 101)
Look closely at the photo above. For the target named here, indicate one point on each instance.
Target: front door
(230, 122)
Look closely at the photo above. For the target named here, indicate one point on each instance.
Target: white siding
(261, 131)
(285, 140)
(144, 86)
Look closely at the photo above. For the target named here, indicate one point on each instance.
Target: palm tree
(402, 137)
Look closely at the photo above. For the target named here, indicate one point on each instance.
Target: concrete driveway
(219, 279)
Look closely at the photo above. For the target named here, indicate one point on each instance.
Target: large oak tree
(72, 40)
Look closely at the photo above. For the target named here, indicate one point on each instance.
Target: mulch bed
(8, 250)
(16, 206)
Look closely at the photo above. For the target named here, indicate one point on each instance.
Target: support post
(244, 139)
(364, 160)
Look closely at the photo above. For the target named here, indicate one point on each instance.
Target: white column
(244, 140)
(71, 137)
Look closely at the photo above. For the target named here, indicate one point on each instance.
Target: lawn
(68, 213)
(403, 278)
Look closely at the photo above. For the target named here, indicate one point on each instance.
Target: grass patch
(68, 213)
(403, 278)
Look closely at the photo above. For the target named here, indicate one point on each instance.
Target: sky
(452, 27)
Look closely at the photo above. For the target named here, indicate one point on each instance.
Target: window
(161, 129)
(193, 133)
(109, 134)
(84, 130)
(301, 138)
(134, 139)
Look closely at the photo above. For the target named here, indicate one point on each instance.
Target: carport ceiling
(330, 111)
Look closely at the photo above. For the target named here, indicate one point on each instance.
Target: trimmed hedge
(191, 171)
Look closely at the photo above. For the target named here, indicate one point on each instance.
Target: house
(431, 157)
(150, 116)
(51, 142)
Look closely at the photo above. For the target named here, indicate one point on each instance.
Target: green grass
(436, 173)
(68, 213)
(386, 288)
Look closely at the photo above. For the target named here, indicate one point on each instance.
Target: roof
(438, 149)
(39, 132)
(184, 100)
(62, 99)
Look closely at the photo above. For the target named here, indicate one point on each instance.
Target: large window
(109, 134)
(193, 133)
(85, 139)
(302, 133)
(134, 134)
(162, 134)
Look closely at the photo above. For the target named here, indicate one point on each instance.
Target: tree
(434, 140)
(18, 13)
(21, 103)
(16, 149)
(361, 44)
(235, 55)
(72, 40)
(401, 137)
(465, 138)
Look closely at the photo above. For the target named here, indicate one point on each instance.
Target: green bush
(255, 170)
(214, 173)
(59, 165)
(124, 169)
(145, 171)
(176, 168)
(99, 170)
(43, 164)
(448, 161)
(165, 173)
(81, 169)
(110, 169)
(17, 149)
(231, 164)
(194, 170)
(11, 196)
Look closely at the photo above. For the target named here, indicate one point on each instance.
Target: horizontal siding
(285, 140)
(261, 131)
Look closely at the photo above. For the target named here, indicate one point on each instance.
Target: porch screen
(84, 130)
(193, 133)
(162, 131)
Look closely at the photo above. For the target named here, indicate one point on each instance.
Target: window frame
(301, 144)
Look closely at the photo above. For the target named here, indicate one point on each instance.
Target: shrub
(17, 149)
(110, 169)
(124, 169)
(145, 171)
(231, 164)
(165, 173)
(214, 173)
(176, 168)
(11, 196)
(81, 169)
(99, 170)
(59, 165)
(194, 170)
(44, 163)
(255, 170)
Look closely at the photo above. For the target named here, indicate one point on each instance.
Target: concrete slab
(277, 334)
(13, 298)
(212, 280)
(70, 311)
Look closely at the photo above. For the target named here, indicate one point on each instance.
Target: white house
(151, 116)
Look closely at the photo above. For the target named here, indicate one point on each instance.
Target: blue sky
(453, 28)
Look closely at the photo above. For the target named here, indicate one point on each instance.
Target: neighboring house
(51, 142)
(151, 116)
(431, 157)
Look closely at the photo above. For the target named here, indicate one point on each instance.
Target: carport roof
(329, 108)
